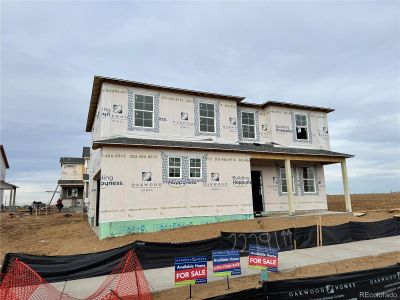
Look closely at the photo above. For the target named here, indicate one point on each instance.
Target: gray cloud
(343, 55)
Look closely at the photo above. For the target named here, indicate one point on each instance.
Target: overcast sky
(344, 55)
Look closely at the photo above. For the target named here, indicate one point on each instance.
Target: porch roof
(70, 182)
(72, 160)
(240, 147)
(7, 186)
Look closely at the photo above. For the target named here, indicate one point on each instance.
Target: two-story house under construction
(166, 157)
(74, 181)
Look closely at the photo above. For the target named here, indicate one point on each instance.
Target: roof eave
(286, 104)
(72, 160)
(100, 144)
(3, 153)
(99, 80)
(299, 106)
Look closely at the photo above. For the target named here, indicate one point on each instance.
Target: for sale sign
(261, 257)
(226, 262)
(190, 270)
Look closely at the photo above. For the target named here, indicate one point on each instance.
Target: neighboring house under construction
(74, 179)
(5, 186)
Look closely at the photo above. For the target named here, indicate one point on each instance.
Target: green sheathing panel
(113, 229)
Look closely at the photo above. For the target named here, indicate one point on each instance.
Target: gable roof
(241, 147)
(3, 153)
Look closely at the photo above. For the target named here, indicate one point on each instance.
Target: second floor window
(308, 179)
(207, 117)
(301, 127)
(248, 125)
(174, 167)
(195, 168)
(144, 111)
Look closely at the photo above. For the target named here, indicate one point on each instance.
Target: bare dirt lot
(58, 235)
(362, 202)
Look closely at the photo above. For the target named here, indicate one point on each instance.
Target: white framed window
(308, 174)
(248, 125)
(174, 167)
(144, 111)
(72, 193)
(207, 117)
(195, 167)
(282, 175)
(301, 126)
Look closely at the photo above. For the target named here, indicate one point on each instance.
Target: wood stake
(320, 230)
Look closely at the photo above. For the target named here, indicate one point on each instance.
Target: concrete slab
(163, 278)
(297, 258)
(307, 213)
(368, 248)
(330, 253)
(83, 288)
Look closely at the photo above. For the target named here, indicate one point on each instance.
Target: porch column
(346, 188)
(288, 173)
(15, 192)
(10, 200)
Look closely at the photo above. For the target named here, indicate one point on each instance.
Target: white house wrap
(164, 158)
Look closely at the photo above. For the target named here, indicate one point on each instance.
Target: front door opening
(256, 188)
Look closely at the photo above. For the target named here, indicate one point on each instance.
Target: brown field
(59, 235)
(365, 202)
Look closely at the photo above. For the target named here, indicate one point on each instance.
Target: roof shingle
(241, 147)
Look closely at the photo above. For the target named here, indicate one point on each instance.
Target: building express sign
(261, 257)
(241, 180)
(226, 262)
(190, 270)
(107, 180)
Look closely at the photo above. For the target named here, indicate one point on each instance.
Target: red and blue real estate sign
(261, 257)
(226, 262)
(190, 270)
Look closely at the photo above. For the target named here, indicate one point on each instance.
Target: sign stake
(190, 291)
(227, 281)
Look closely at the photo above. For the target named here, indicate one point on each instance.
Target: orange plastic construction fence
(126, 281)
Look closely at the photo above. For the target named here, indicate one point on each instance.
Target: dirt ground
(362, 202)
(56, 234)
(241, 283)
